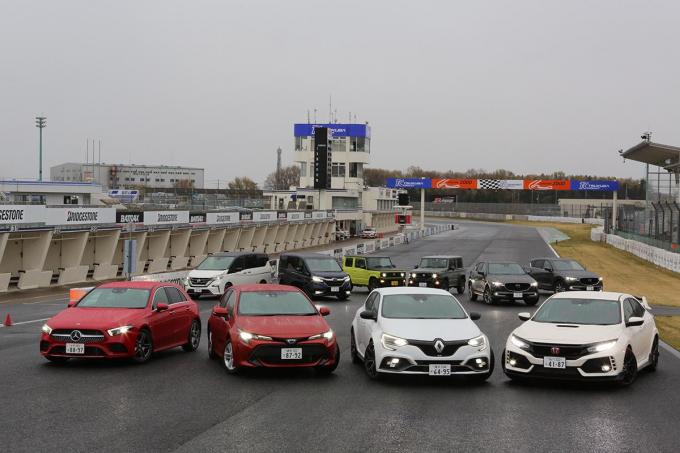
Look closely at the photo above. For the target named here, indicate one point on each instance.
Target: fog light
(410, 282)
(392, 363)
(436, 282)
(318, 292)
(512, 362)
(606, 368)
(382, 281)
(348, 292)
(481, 363)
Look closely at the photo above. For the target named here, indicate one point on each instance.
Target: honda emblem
(555, 350)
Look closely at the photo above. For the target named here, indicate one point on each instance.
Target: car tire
(372, 284)
(143, 346)
(473, 295)
(488, 298)
(460, 289)
(228, 357)
(445, 284)
(370, 366)
(211, 347)
(56, 359)
(558, 287)
(482, 377)
(326, 370)
(531, 302)
(629, 371)
(353, 352)
(194, 337)
(654, 356)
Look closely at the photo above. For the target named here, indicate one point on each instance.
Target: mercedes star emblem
(76, 335)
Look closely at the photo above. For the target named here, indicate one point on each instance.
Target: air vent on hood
(567, 325)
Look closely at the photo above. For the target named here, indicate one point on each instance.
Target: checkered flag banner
(494, 184)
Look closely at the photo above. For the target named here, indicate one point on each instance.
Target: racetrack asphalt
(185, 402)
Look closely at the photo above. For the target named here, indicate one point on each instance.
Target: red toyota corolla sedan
(271, 326)
(123, 320)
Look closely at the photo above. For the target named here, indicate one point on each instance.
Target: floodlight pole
(40, 123)
(422, 208)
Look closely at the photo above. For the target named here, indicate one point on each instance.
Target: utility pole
(40, 123)
(278, 169)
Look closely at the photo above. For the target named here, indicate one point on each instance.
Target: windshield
(422, 306)
(323, 265)
(505, 269)
(271, 303)
(379, 263)
(115, 298)
(579, 311)
(216, 263)
(434, 262)
(567, 265)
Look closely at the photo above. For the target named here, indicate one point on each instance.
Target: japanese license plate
(440, 370)
(75, 348)
(590, 288)
(518, 295)
(422, 285)
(554, 362)
(335, 289)
(291, 353)
(395, 283)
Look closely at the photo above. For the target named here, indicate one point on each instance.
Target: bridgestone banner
(165, 217)
(80, 216)
(15, 213)
(222, 218)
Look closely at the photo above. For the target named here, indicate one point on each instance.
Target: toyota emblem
(439, 346)
(76, 335)
(555, 350)
(291, 341)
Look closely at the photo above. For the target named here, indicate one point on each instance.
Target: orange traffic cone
(8, 321)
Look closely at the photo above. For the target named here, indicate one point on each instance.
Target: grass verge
(669, 328)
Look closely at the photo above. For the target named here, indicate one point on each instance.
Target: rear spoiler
(643, 301)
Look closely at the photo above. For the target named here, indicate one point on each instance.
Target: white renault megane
(419, 331)
(585, 336)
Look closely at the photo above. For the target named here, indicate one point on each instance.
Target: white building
(49, 192)
(116, 176)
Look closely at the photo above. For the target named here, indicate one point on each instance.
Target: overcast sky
(530, 86)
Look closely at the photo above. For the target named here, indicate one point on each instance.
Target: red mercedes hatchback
(123, 320)
(271, 326)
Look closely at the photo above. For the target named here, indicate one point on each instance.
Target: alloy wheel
(487, 297)
(559, 287)
(629, 372)
(354, 353)
(654, 356)
(143, 346)
(195, 334)
(369, 362)
(228, 357)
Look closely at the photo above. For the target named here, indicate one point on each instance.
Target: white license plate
(554, 362)
(440, 370)
(518, 295)
(291, 353)
(335, 289)
(75, 348)
(590, 288)
(422, 285)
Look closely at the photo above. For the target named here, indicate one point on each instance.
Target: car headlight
(520, 343)
(185, 281)
(478, 342)
(119, 330)
(413, 275)
(383, 275)
(599, 347)
(497, 283)
(600, 278)
(534, 284)
(347, 278)
(570, 279)
(46, 329)
(391, 342)
(317, 279)
(247, 337)
(435, 275)
(327, 335)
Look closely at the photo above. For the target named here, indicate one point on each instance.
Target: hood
(205, 274)
(429, 329)
(429, 270)
(543, 332)
(284, 326)
(339, 274)
(95, 318)
(504, 278)
(577, 274)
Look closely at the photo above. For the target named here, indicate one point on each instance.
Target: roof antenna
(307, 116)
(330, 109)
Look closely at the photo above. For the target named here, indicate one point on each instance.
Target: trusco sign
(80, 216)
(608, 186)
(12, 214)
(165, 217)
(409, 183)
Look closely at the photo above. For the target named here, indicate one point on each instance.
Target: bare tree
(244, 183)
(289, 176)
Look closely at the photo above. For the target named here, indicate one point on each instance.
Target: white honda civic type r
(584, 336)
(411, 330)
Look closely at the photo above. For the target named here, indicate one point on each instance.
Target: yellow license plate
(395, 283)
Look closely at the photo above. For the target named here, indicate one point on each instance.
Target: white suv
(222, 270)
(369, 233)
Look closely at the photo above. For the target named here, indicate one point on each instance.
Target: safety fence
(506, 217)
(658, 224)
(662, 258)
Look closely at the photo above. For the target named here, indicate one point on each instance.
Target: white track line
(25, 322)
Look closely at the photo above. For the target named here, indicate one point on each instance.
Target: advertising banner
(609, 186)
(197, 217)
(546, 184)
(19, 213)
(245, 216)
(80, 216)
(308, 215)
(409, 183)
(454, 183)
(281, 215)
(319, 215)
(294, 216)
(222, 218)
(337, 130)
(501, 184)
(129, 217)
(165, 217)
(264, 216)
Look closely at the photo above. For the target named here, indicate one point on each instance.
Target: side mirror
(220, 312)
(547, 269)
(161, 307)
(524, 316)
(416, 267)
(475, 316)
(635, 321)
(71, 303)
(482, 273)
(324, 311)
(368, 315)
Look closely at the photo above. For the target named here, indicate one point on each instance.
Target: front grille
(392, 275)
(590, 281)
(517, 286)
(334, 281)
(423, 276)
(90, 351)
(568, 351)
(200, 281)
(86, 335)
(450, 347)
(568, 372)
(269, 353)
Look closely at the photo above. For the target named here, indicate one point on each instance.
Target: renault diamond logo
(76, 335)
(291, 341)
(439, 346)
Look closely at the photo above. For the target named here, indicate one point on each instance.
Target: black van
(315, 274)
